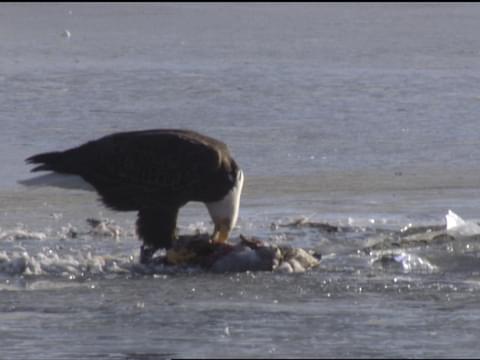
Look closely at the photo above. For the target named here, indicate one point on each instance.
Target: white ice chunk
(457, 226)
(407, 262)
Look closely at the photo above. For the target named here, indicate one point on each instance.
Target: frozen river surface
(363, 116)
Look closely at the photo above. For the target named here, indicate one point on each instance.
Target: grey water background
(359, 115)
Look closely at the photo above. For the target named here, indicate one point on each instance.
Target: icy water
(362, 116)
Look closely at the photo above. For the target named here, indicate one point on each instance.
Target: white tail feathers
(58, 180)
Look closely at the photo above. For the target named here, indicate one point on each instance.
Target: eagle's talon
(180, 256)
(146, 254)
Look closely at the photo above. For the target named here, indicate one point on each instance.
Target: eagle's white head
(224, 212)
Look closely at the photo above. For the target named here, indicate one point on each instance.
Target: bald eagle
(154, 172)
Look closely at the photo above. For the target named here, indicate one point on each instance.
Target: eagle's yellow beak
(221, 232)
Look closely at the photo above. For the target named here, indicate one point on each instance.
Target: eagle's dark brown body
(154, 172)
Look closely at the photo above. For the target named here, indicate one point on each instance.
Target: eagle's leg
(157, 228)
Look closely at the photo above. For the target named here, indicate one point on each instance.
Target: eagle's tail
(64, 175)
(51, 161)
(65, 162)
